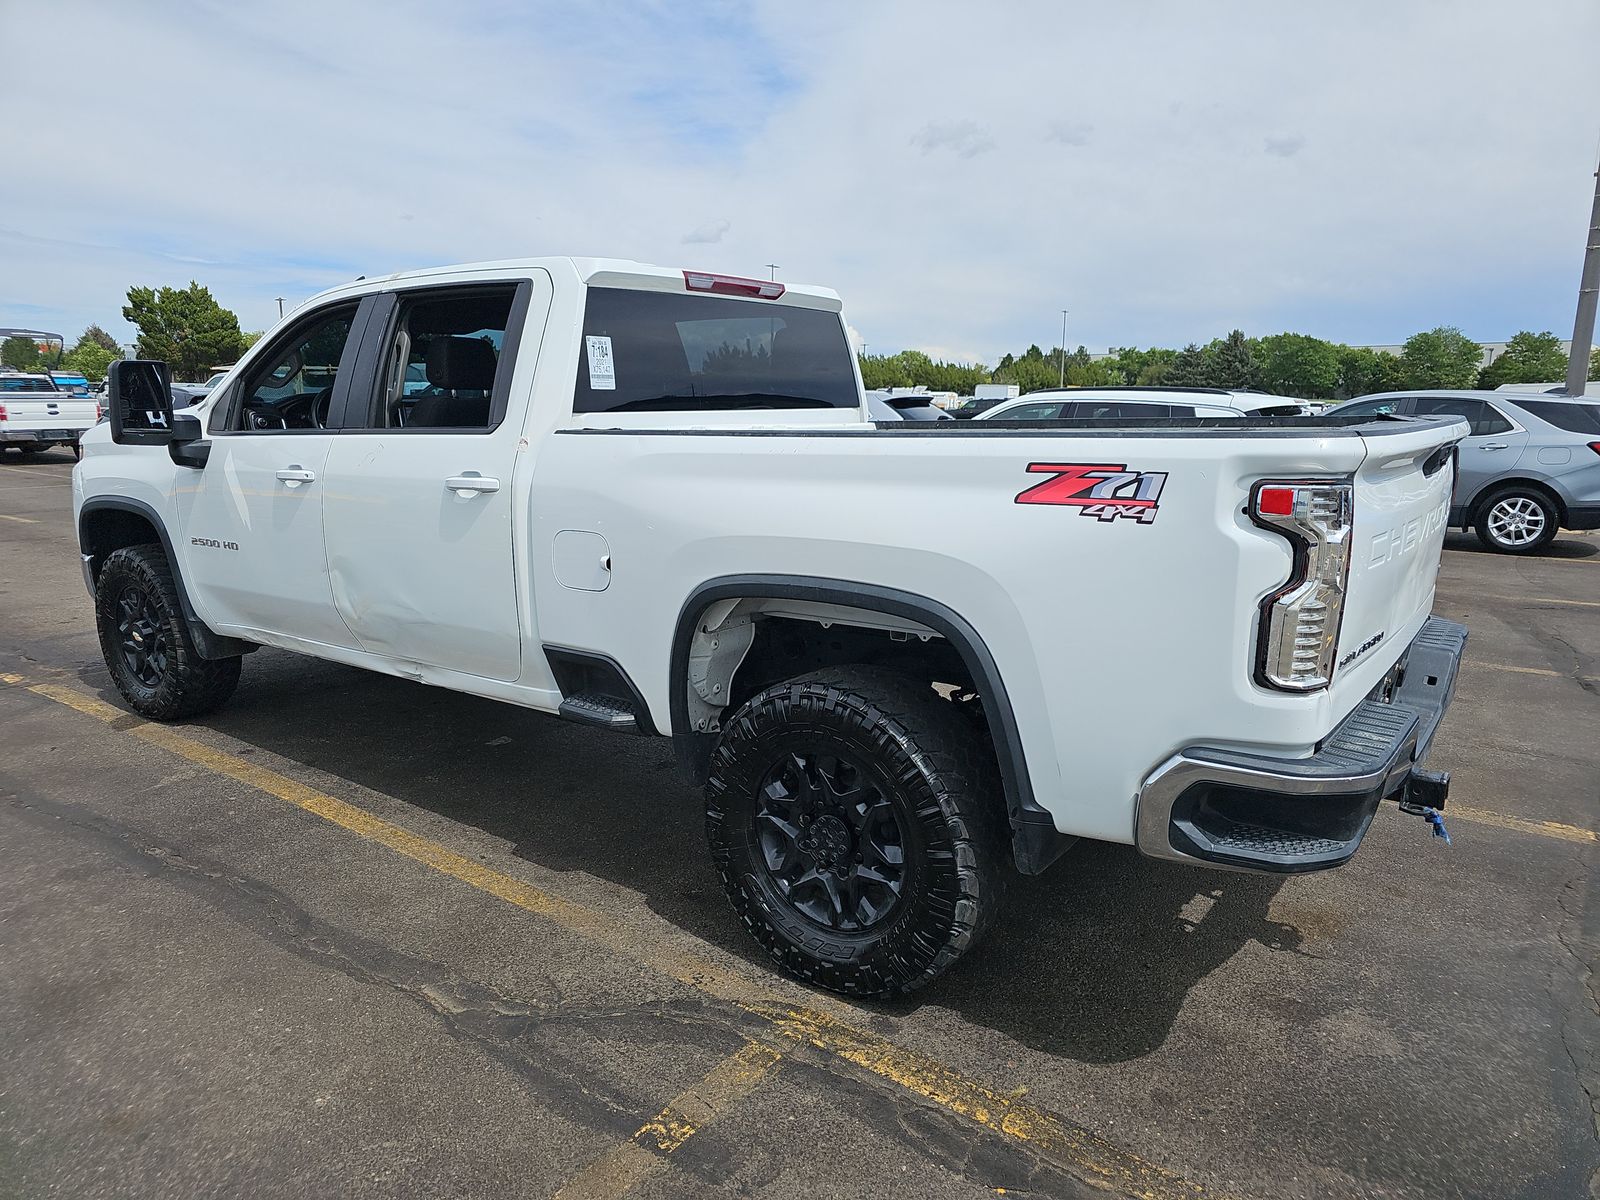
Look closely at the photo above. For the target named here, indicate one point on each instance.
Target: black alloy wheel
(831, 841)
(142, 637)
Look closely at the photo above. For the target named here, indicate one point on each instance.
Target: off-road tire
(1491, 520)
(938, 774)
(186, 685)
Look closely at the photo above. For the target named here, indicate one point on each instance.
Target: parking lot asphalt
(353, 935)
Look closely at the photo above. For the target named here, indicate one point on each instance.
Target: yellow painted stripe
(685, 1115)
(1548, 829)
(23, 520)
(1007, 1114)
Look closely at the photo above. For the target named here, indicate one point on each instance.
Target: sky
(960, 173)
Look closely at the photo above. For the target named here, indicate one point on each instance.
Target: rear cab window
(652, 351)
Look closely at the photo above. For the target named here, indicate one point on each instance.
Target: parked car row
(1530, 468)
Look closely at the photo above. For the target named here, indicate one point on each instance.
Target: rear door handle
(469, 483)
(295, 475)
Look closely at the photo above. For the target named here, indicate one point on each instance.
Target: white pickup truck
(903, 659)
(36, 414)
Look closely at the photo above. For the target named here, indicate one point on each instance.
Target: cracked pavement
(211, 992)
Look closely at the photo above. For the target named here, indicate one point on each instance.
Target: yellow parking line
(24, 520)
(1044, 1133)
(685, 1115)
(1549, 829)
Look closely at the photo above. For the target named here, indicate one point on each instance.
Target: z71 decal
(1100, 490)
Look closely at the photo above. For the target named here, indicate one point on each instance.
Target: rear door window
(661, 351)
(1121, 410)
(1573, 417)
(1484, 417)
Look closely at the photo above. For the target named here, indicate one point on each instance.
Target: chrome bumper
(1258, 813)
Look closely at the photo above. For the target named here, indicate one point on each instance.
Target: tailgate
(41, 414)
(1402, 498)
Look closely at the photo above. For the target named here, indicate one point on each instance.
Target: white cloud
(967, 139)
(1160, 188)
(707, 234)
(1069, 133)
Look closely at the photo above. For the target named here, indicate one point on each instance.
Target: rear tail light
(2, 412)
(732, 285)
(99, 413)
(1595, 446)
(1299, 633)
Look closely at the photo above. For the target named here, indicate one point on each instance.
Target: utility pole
(1063, 347)
(772, 271)
(280, 308)
(1588, 291)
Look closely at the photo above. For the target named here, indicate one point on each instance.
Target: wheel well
(739, 634)
(1502, 485)
(106, 529)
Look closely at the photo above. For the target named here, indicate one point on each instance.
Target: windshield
(661, 350)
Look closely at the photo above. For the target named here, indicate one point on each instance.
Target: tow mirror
(139, 394)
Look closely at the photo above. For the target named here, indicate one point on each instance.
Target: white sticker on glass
(602, 367)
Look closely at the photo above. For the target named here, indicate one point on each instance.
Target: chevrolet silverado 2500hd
(650, 500)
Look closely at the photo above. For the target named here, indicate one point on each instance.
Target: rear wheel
(1517, 521)
(146, 644)
(858, 828)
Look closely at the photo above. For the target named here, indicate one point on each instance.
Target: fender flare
(1035, 841)
(209, 645)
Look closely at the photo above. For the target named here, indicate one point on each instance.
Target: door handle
(294, 476)
(1493, 446)
(469, 483)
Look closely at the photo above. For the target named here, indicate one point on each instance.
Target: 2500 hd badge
(212, 544)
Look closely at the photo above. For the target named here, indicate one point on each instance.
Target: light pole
(772, 271)
(280, 310)
(1063, 347)
(1588, 296)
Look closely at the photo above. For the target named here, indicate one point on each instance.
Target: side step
(608, 712)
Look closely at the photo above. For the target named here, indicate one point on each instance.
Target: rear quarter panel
(1119, 641)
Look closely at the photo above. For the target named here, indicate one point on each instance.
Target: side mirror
(188, 446)
(139, 394)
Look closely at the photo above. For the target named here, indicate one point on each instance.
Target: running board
(608, 712)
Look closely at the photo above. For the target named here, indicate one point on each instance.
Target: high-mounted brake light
(1299, 632)
(732, 285)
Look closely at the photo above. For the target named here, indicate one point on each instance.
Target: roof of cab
(594, 272)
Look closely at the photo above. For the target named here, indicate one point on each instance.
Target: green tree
(1594, 365)
(1296, 364)
(184, 326)
(1189, 368)
(1233, 362)
(1440, 358)
(100, 338)
(1363, 371)
(1527, 358)
(90, 359)
(21, 353)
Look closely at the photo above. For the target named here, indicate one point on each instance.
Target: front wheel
(858, 829)
(1518, 521)
(146, 644)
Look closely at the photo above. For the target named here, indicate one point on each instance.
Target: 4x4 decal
(1104, 491)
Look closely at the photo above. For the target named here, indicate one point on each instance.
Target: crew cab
(652, 501)
(35, 413)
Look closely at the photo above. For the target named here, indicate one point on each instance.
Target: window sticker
(602, 367)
